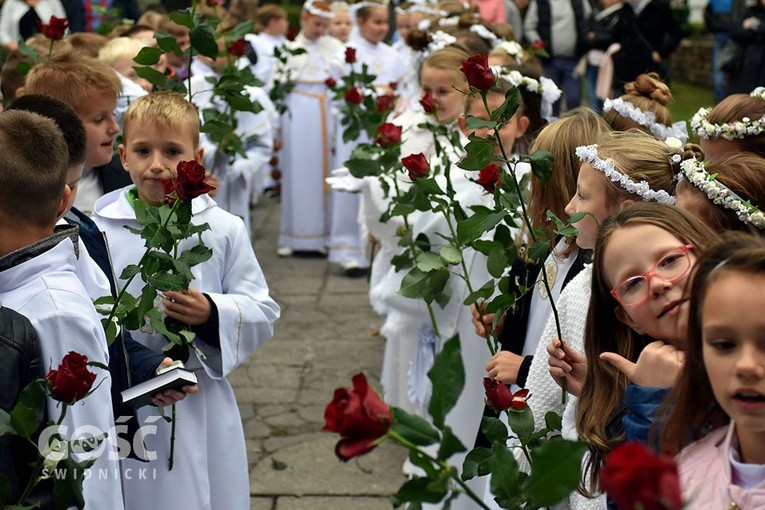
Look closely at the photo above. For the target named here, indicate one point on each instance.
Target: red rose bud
(498, 395)
(635, 477)
(478, 72)
(519, 399)
(72, 380)
(360, 416)
(350, 55)
(292, 33)
(330, 82)
(416, 164)
(388, 134)
(428, 103)
(353, 96)
(538, 44)
(488, 177)
(237, 48)
(54, 29)
(385, 103)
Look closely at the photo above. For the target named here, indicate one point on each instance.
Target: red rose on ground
(388, 134)
(353, 96)
(237, 48)
(416, 164)
(72, 380)
(385, 103)
(478, 72)
(350, 55)
(428, 103)
(54, 29)
(330, 82)
(360, 417)
(633, 475)
(488, 177)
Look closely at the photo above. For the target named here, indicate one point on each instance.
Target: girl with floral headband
(737, 123)
(644, 106)
(341, 24)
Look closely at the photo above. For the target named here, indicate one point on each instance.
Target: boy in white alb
(272, 20)
(38, 279)
(228, 307)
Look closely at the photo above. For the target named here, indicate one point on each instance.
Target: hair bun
(649, 85)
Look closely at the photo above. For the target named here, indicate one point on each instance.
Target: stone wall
(692, 62)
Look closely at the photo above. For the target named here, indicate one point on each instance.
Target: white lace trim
(728, 130)
(589, 154)
(647, 119)
(312, 9)
(719, 194)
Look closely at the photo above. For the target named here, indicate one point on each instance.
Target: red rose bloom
(633, 475)
(350, 55)
(188, 184)
(330, 82)
(388, 134)
(292, 33)
(488, 177)
(353, 96)
(54, 29)
(519, 399)
(360, 417)
(428, 103)
(498, 395)
(385, 103)
(416, 164)
(237, 48)
(538, 44)
(72, 381)
(478, 72)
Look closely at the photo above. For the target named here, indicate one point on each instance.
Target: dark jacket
(20, 364)
(751, 72)
(544, 28)
(112, 176)
(661, 29)
(635, 56)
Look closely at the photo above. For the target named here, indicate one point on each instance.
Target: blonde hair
(448, 59)
(153, 19)
(649, 94)
(120, 48)
(33, 165)
(170, 27)
(41, 45)
(88, 43)
(364, 12)
(72, 78)
(165, 108)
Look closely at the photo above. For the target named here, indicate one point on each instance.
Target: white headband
(486, 34)
(513, 49)
(647, 119)
(545, 87)
(438, 41)
(695, 171)
(589, 154)
(310, 8)
(728, 130)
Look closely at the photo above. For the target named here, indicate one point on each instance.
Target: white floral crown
(513, 49)
(355, 8)
(589, 154)
(486, 34)
(647, 119)
(310, 8)
(728, 130)
(339, 6)
(427, 11)
(449, 22)
(695, 171)
(545, 87)
(438, 41)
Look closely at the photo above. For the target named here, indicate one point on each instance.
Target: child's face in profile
(441, 83)
(509, 133)
(591, 196)
(151, 153)
(97, 115)
(73, 176)
(734, 354)
(340, 26)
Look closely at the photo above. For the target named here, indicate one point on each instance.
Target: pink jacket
(705, 476)
(492, 11)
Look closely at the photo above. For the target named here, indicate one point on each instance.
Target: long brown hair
(604, 384)
(734, 108)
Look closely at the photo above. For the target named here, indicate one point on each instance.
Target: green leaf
(448, 378)
(437, 286)
(507, 109)
(553, 421)
(539, 250)
(168, 44)
(363, 167)
(494, 430)
(183, 17)
(402, 210)
(6, 427)
(497, 262)
(556, 473)
(277, 465)
(166, 281)
(428, 261)
(67, 490)
(476, 463)
(423, 462)
(476, 123)
(29, 411)
(476, 225)
(483, 293)
(414, 284)
(203, 40)
(450, 253)
(23, 68)
(429, 186)
(419, 490)
(504, 301)
(450, 445)
(148, 56)
(196, 255)
(479, 153)
(541, 162)
(130, 271)
(413, 428)
(504, 475)
(153, 76)
(522, 423)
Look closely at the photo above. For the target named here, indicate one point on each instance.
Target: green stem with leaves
(38, 464)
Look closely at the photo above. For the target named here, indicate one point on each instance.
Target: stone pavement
(325, 335)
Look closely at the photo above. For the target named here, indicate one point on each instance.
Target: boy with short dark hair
(228, 307)
(38, 279)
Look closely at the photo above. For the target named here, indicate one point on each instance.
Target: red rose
(519, 399)
(488, 177)
(385, 103)
(360, 417)
(635, 477)
(292, 33)
(353, 96)
(330, 82)
(188, 184)
(538, 44)
(478, 72)
(428, 103)
(388, 134)
(416, 164)
(213, 3)
(72, 381)
(54, 29)
(237, 48)
(498, 395)
(350, 55)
